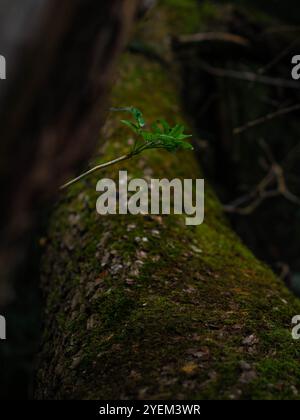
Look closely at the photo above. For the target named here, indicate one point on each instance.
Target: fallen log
(143, 306)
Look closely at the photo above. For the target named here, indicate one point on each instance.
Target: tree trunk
(59, 67)
(144, 306)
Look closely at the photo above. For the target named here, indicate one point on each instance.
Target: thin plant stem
(96, 168)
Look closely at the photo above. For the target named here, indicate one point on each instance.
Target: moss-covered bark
(146, 307)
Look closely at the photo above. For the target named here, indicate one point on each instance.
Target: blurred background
(246, 112)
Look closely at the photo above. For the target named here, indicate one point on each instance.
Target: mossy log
(144, 306)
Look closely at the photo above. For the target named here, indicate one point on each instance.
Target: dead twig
(248, 76)
(266, 118)
(214, 36)
(279, 56)
(264, 190)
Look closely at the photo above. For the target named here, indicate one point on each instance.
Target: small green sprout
(160, 136)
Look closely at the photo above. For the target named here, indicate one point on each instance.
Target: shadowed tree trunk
(60, 57)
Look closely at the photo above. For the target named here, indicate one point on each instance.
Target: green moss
(188, 16)
(164, 317)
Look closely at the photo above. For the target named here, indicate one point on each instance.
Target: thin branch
(264, 190)
(214, 36)
(96, 168)
(268, 117)
(279, 56)
(248, 76)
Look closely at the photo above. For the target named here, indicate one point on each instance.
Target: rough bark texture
(59, 66)
(146, 307)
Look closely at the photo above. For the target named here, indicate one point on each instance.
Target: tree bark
(60, 58)
(144, 306)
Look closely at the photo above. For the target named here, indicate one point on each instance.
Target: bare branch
(279, 56)
(214, 36)
(266, 118)
(264, 190)
(248, 76)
